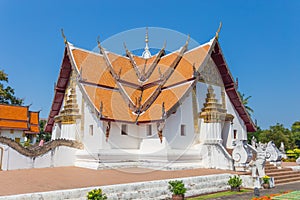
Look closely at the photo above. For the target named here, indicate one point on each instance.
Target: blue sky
(260, 40)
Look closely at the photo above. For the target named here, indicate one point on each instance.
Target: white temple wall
(238, 123)
(172, 130)
(92, 134)
(14, 135)
(12, 160)
(227, 135)
(130, 141)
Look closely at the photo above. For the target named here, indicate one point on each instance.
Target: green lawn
(219, 194)
(290, 196)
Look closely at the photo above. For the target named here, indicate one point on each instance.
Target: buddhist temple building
(175, 109)
(18, 123)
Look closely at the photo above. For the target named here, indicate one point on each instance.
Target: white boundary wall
(60, 156)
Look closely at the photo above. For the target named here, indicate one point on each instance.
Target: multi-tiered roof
(140, 89)
(19, 118)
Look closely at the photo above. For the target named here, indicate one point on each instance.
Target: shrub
(291, 154)
(96, 194)
(177, 187)
(289, 160)
(297, 152)
(235, 181)
(266, 179)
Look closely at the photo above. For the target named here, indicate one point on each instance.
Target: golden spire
(146, 37)
(146, 54)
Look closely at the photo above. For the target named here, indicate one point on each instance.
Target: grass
(290, 195)
(219, 194)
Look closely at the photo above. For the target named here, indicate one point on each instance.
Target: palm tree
(245, 103)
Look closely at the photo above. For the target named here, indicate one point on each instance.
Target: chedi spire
(146, 54)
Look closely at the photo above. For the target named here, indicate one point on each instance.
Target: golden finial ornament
(63, 35)
(146, 54)
(218, 31)
(98, 41)
(187, 40)
(147, 37)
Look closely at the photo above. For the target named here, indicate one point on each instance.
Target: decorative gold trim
(212, 111)
(195, 109)
(107, 131)
(229, 118)
(70, 113)
(160, 127)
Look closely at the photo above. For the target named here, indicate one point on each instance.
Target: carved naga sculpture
(241, 155)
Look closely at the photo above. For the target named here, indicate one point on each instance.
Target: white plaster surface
(60, 156)
(14, 135)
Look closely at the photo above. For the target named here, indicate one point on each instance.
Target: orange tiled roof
(132, 89)
(34, 123)
(128, 89)
(143, 63)
(19, 118)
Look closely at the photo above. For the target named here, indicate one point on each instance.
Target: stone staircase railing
(36, 151)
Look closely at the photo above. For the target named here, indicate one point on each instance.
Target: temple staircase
(282, 175)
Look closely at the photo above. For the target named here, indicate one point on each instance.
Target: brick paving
(61, 178)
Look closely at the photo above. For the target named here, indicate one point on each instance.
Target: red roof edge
(230, 87)
(60, 89)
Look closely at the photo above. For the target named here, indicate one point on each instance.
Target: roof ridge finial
(98, 41)
(146, 37)
(146, 54)
(63, 35)
(218, 31)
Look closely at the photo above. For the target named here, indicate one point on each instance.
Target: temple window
(183, 130)
(149, 130)
(91, 130)
(11, 131)
(124, 129)
(234, 133)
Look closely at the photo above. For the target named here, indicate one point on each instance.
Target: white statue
(273, 151)
(281, 148)
(298, 161)
(259, 164)
(253, 142)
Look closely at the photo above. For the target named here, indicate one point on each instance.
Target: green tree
(7, 94)
(245, 101)
(296, 133)
(255, 134)
(277, 134)
(43, 134)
